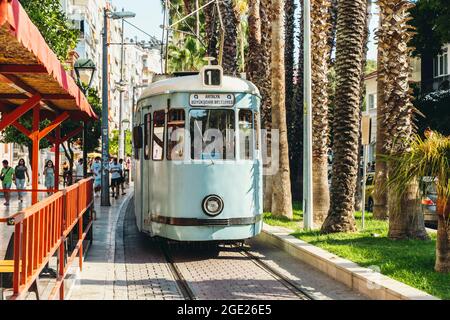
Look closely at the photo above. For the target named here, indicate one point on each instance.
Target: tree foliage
(114, 143)
(53, 24)
(431, 19)
(436, 112)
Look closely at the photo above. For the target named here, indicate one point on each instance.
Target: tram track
(188, 293)
(288, 283)
(182, 284)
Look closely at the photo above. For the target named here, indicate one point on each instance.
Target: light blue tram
(198, 164)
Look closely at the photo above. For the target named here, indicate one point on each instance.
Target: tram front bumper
(192, 229)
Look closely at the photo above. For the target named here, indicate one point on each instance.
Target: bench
(6, 267)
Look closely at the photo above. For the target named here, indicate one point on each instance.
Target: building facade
(140, 62)
(372, 100)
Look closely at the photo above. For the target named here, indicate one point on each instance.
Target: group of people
(117, 169)
(17, 175)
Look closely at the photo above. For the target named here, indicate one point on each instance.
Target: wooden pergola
(32, 78)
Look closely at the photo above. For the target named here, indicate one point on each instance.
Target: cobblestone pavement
(227, 274)
(147, 272)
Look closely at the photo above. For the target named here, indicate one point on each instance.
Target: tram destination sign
(211, 100)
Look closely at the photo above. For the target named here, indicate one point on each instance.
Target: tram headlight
(212, 205)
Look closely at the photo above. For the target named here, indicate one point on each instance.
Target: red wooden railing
(42, 229)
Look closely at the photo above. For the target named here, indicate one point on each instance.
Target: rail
(42, 229)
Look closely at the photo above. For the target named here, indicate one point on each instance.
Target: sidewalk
(14, 207)
(103, 275)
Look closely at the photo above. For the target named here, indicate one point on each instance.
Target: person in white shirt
(79, 170)
(115, 169)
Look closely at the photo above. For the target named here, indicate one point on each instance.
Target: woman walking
(19, 175)
(49, 175)
(96, 169)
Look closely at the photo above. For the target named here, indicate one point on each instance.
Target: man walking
(6, 176)
(115, 169)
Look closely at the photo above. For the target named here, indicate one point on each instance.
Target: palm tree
(295, 118)
(281, 190)
(258, 70)
(349, 53)
(320, 29)
(265, 60)
(405, 218)
(358, 194)
(380, 207)
(231, 22)
(291, 109)
(429, 157)
(211, 25)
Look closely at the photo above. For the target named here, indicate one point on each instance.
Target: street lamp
(121, 15)
(307, 121)
(105, 201)
(84, 71)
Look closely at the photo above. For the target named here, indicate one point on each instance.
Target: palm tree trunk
(443, 240)
(295, 121)
(230, 50)
(358, 195)
(320, 29)
(405, 217)
(380, 207)
(291, 109)
(211, 30)
(281, 196)
(349, 54)
(258, 72)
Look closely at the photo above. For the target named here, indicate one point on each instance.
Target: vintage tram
(198, 164)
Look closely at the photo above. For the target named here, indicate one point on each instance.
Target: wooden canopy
(28, 67)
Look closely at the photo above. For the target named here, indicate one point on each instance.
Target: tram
(198, 164)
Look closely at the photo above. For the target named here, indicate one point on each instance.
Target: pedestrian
(19, 177)
(122, 176)
(79, 170)
(96, 169)
(49, 176)
(6, 176)
(65, 173)
(114, 169)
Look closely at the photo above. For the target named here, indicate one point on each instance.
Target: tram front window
(212, 134)
(246, 134)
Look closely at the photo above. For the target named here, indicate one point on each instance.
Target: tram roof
(193, 83)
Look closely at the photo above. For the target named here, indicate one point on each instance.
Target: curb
(363, 280)
(119, 292)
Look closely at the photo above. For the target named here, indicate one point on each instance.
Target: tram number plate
(210, 99)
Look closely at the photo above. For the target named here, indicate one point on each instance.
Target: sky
(149, 17)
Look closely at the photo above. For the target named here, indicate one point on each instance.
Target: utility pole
(105, 201)
(307, 123)
(121, 133)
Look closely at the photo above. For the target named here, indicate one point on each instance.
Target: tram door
(146, 172)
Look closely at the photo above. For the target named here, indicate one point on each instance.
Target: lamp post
(307, 120)
(105, 201)
(84, 71)
(122, 15)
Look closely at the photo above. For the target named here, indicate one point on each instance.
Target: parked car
(429, 199)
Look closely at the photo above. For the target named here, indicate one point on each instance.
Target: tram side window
(137, 141)
(246, 134)
(175, 134)
(212, 134)
(147, 132)
(158, 135)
